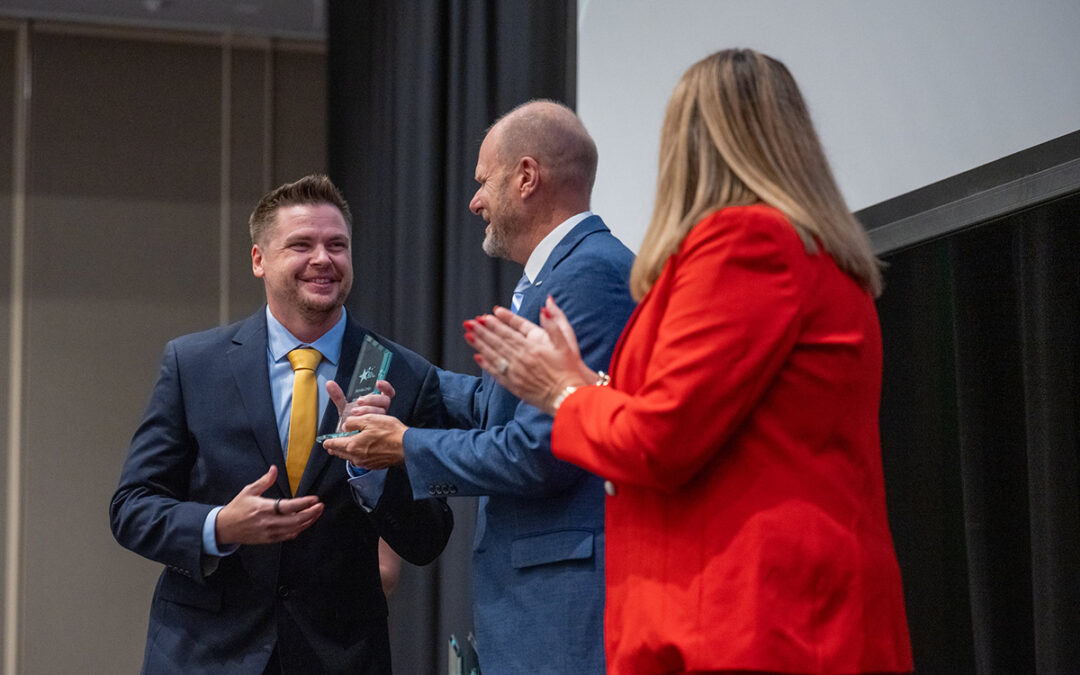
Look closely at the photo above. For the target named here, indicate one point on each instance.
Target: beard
(318, 307)
(502, 226)
(497, 242)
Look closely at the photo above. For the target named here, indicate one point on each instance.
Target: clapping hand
(536, 363)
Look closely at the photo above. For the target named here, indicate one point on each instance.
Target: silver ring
(277, 506)
(501, 366)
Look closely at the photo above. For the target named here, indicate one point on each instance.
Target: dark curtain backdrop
(979, 435)
(412, 86)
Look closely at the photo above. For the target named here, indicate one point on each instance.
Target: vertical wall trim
(268, 116)
(225, 212)
(16, 353)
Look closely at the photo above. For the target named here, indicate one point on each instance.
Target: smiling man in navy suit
(272, 569)
(538, 574)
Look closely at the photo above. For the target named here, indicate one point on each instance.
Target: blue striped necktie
(519, 293)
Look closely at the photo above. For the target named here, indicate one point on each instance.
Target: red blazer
(740, 431)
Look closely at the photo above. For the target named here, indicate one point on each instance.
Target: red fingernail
(480, 320)
(479, 359)
(469, 337)
(545, 312)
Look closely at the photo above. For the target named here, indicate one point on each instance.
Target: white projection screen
(902, 94)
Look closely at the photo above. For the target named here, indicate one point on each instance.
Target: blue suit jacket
(538, 574)
(208, 431)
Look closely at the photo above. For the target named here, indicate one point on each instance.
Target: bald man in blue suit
(538, 573)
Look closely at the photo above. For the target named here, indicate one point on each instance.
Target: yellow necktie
(305, 410)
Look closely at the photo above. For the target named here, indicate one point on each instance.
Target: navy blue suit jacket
(538, 573)
(208, 431)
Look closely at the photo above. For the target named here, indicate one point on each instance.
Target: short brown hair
(737, 131)
(313, 189)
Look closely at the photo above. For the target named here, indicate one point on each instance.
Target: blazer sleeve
(417, 530)
(728, 325)
(459, 398)
(514, 458)
(504, 459)
(149, 513)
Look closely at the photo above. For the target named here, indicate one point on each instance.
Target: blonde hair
(737, 132)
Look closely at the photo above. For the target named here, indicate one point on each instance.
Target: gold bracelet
(602, 380)
(570, 389)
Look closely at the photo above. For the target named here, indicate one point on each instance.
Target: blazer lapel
(536, 294)
(247, 360)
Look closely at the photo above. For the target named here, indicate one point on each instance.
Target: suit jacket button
(283, 591)
(609, 488)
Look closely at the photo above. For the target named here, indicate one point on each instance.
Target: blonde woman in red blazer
(746, 516)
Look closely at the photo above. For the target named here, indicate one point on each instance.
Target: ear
(256, 261)
(528, 176)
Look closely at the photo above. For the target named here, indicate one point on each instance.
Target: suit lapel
(497, 396)
(247, 360)
(536, 294)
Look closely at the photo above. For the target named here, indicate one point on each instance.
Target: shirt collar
(281, 341)
(540, 254)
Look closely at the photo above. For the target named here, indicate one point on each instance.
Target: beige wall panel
(121, 255)
(249, 172)
(7, 92)
(299, 115)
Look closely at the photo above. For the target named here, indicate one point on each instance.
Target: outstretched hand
(377, 446)
(536, 363)
(253, 519)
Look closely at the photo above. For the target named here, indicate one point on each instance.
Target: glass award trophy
(371, 366)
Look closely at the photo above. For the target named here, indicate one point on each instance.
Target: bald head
(552, 134)
(535, 168)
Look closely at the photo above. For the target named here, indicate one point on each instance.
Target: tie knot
(522, 284)
(304, 358)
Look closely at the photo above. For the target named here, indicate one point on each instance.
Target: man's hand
(377, 446)
(377, 402)
(252, 519)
